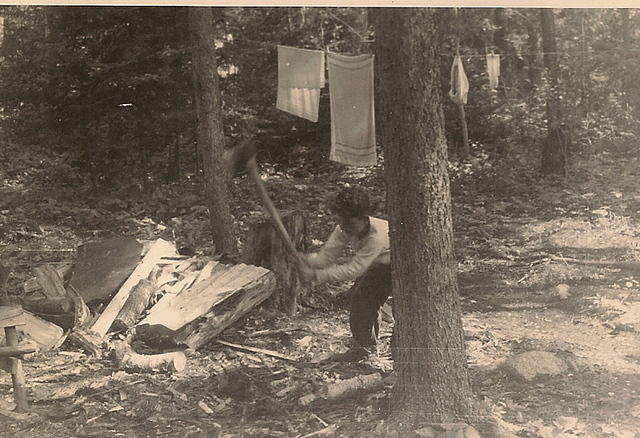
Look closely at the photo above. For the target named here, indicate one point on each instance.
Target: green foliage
(111, 87)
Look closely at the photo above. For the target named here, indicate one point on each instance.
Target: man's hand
(307, 274)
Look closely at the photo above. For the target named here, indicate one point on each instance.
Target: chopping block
(11, 354)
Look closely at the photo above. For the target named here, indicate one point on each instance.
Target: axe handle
(252, 168)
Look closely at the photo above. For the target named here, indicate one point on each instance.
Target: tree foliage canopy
(111, 87)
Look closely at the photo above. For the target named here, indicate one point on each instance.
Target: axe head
(240, 156)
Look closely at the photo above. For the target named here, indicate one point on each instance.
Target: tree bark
(429, 351)
(555, 145)
(210, 129)
(265, 248)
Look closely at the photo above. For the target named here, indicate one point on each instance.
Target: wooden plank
(16, 350)
(207, 271)
(11, 316)
(159, 249)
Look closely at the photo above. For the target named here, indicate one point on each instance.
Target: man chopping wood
(369, 267)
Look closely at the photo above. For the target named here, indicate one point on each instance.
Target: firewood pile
(121, 290)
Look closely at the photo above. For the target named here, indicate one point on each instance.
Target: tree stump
(265, 248)
(556, 150)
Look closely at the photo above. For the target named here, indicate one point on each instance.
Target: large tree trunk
(210, 129)
(429, 351)
(555, 146)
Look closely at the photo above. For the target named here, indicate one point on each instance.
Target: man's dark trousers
(368, 295)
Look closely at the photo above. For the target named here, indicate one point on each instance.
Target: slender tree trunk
(211, 140)
(554, 151)
(500, 35)
(533, 47)
(429, 351)
(626, 29)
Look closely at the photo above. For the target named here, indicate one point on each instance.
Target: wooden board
(160, 248)
(45, 334)
(11, 316)
(237, 288)
(102, 267)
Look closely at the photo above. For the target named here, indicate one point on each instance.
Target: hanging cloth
(300, 78)
(459, 82)
(353, 136)
(493, 69)
(301, 102)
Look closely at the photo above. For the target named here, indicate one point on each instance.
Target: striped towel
(300, 78)
(353, 135)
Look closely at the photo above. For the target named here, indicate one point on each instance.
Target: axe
(242, 157)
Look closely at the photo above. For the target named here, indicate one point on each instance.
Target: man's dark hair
(351, 202)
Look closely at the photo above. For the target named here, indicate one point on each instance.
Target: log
(88, 341)
(48, 305)
(167, 362)
(199, 333)
(134, 306)
(630, 266)
(102, 267)
(158, 250)
(198, 314)
(265, 248)
(343, 388)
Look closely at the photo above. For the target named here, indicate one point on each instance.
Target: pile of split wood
(144, 290)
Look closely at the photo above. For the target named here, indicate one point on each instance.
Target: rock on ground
(533, 365)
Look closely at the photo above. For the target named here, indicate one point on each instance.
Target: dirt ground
(517, 238)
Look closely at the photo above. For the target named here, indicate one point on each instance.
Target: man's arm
(355, 267)
(330, 251)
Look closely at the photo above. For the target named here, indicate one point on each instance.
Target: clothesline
(474, 55)
(576, 52)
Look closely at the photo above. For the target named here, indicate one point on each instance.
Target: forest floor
(516, 233)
